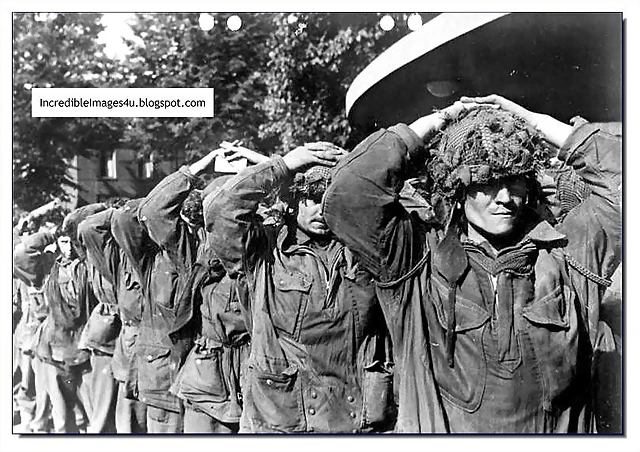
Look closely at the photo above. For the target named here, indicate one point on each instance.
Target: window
(108, 161)
(146, 166)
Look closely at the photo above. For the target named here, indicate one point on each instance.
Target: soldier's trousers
(131, 415)
(196, 421)
(99, 394)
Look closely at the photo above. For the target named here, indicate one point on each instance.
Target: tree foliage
(314, 57)
(280, 80)
(177, 53)
(55, 50)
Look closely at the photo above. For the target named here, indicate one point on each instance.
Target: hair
(192, 208)
(116, 201)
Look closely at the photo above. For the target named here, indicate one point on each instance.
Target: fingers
(327, 158)
(491, 99)
(324, 146)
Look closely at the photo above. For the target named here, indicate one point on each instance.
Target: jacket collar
(450, 257)
(290, 238)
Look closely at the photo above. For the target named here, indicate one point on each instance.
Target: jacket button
(149, 358)
(281, 282)
(350, 399)
(105, 320)
(312, 411)
(269, 382)
(352, 415)
(314, 394)
(143, 218)
(198, 361)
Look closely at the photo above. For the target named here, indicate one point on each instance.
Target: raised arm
(362, 208)
(30, 262)
(594, 227)
(132, 238)
(94, 233)
(230, 213)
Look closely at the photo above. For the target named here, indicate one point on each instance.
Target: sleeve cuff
(280, 168)
(581, 133)
(410, 138)
(192, 179)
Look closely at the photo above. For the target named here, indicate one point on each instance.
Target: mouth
(319, 224)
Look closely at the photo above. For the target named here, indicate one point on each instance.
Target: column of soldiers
(428, 281)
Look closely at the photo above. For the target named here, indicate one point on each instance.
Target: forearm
(554, 131)
(131, 237)
(230, 216)
(597, 221)
(362, 200)
(160, 210)
(95, 235)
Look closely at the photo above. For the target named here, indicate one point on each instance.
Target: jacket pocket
(101, 329)
(378, 407)
(463, 384)
(554, 333)
(291, 290)
(154, 368)
(273, 400)
(202, 377)
(549, 311)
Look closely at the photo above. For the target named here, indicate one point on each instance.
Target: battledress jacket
(104, 324)
(494, 360)
(31, 267)
(110, 261)
(209, 311)
(163, 268)
(319, 361)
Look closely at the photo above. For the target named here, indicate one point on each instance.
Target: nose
(504, 194)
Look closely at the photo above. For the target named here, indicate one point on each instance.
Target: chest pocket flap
(291, 290)
(469, 315)
(287, 282)
(550, 310)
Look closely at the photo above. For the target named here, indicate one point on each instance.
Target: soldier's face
(310, 218)
(64, 244)
(496, 207)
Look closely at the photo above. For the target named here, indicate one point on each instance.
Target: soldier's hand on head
(554, 131)
(496, 101)
(318, 153)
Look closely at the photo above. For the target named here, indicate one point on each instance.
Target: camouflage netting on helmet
(571, 189)
(476, 147)
(311, 184)
(191, 209)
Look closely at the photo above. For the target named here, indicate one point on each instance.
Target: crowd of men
(443, 276)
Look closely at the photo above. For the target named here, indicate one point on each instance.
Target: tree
(177, 53)
(280, 80)
(55, 50)
(314, 57)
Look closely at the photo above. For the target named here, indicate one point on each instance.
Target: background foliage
(280, 81)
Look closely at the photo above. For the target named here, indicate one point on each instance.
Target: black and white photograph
(318, 223)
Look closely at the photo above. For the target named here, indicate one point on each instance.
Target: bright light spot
(414, 21)
(28, 86)
(43, 17)
(292, 19)
(387, 23)
(234, 23)
(206, 21)
(442, 88)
